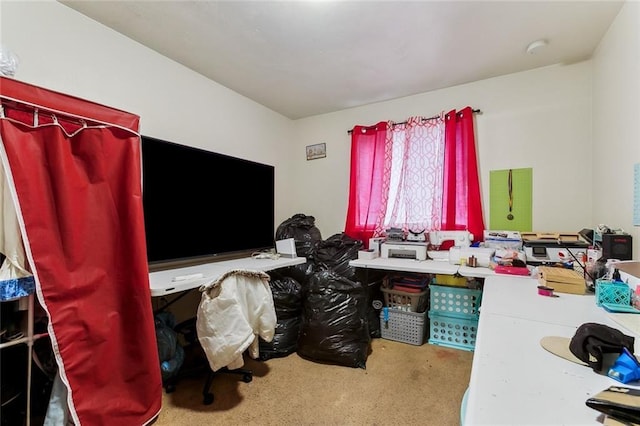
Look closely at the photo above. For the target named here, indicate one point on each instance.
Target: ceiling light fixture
(535, 46)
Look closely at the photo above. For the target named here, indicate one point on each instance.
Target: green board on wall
(520, 197)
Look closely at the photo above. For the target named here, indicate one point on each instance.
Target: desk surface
(426, 267)
(162, 282)
(407, 265)
(513, 379)
(519, 298)
(421, 266)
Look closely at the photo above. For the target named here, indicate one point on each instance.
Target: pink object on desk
(546, 291)
(512, 270)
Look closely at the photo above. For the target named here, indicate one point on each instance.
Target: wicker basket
(405, 301)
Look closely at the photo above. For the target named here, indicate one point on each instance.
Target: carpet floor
(402, 384)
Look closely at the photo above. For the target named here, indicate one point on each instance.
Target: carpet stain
(443, 354)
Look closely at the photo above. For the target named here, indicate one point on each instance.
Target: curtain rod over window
(475, 111)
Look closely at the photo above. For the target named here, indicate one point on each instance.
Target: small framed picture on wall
(316, 151)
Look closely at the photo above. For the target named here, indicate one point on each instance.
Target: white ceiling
(303, 58)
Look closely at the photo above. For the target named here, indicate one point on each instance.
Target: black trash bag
(285, 339)
(300, 272)
(302, 229)
(334, 324)
(335, 253)
(170, 353)
(287, 300)
(287, 296)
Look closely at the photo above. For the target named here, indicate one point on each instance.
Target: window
(418, 175)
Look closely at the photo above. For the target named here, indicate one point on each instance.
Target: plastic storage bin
(403, 326)
(405, 301)
(453, 332)
(613, 292)
(454, 301)
(452, 280)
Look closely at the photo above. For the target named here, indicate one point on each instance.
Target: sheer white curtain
(413, 175)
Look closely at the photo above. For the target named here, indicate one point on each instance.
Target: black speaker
(617, 246)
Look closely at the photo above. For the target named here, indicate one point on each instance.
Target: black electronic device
(587, 235)
(617, 246)
(201, 206)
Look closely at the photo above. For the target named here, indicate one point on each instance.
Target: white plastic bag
(8, 62)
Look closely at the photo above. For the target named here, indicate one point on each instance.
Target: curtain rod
(475, 111)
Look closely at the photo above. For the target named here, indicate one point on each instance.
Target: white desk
(161, 282)
(427, 267)
(406, 265)
(514, 381)
(506, 296)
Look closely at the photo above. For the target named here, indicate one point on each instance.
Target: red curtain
(76, 173)
(366, 201)
(462, 201)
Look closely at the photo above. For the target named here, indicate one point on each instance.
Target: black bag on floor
(287, 300)
(335, 253)
(334, 321)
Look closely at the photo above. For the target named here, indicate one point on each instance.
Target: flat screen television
(202, 206)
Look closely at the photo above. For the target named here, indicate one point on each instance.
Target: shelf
(10, 343)
(24, 323)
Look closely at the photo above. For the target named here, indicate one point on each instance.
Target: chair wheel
(170, 387)
(208, 399)
(247, 378)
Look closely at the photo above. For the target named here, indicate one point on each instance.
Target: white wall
(539, 119)
(616, 122)
(62, 50)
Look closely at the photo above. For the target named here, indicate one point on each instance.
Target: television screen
(200, 205)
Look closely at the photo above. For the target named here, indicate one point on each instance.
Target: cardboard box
(559, 237)
(562, 280)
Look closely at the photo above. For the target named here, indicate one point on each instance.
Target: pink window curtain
(367, 203)
(462, 202)
(412, 175)
(75, 171)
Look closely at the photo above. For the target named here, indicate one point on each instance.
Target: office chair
(235, 310)
(197, 362)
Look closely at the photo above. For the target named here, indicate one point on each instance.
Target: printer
(404, 249)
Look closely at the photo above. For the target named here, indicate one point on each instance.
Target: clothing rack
(475, 111)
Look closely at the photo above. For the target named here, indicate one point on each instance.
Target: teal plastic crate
(612, 292)
(452, 332)
(455, 301)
